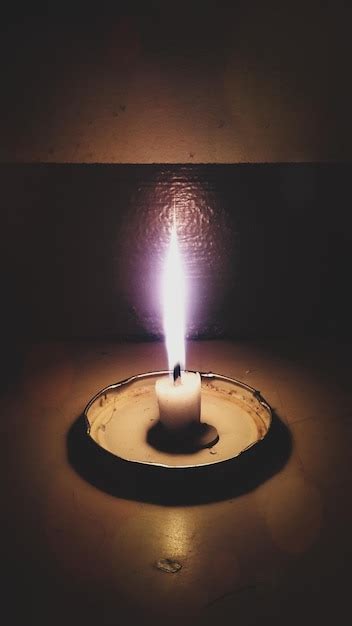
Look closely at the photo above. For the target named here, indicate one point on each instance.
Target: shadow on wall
(174, 486)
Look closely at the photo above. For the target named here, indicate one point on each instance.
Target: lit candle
(178, 394)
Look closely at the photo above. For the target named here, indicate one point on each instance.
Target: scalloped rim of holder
(239, 402)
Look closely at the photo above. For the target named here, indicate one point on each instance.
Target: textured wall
(267, 248)
(173, 82)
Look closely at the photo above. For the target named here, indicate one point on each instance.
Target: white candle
(179, 396)
(179, 402)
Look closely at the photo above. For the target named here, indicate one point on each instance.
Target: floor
(278, 553)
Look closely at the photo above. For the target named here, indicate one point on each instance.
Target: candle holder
(122, 419)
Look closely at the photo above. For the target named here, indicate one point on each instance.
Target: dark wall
(267, 248)
(176, 82)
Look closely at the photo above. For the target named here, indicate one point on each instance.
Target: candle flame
(174, 301)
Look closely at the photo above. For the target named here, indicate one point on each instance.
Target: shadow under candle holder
(179, 486)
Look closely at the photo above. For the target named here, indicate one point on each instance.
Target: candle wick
(177, 374)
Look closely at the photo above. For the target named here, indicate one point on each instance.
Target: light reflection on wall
(208, 243)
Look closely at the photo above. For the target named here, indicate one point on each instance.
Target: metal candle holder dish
(120, 418)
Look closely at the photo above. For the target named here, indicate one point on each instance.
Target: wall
(163, 82)
(267, 248)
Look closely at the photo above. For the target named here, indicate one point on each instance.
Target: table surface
(77, 554)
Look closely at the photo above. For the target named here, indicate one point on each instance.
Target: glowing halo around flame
(174, 303)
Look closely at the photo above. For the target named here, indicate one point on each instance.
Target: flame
(173, 303)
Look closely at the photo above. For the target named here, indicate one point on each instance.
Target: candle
(179, 394)
(179, 403)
